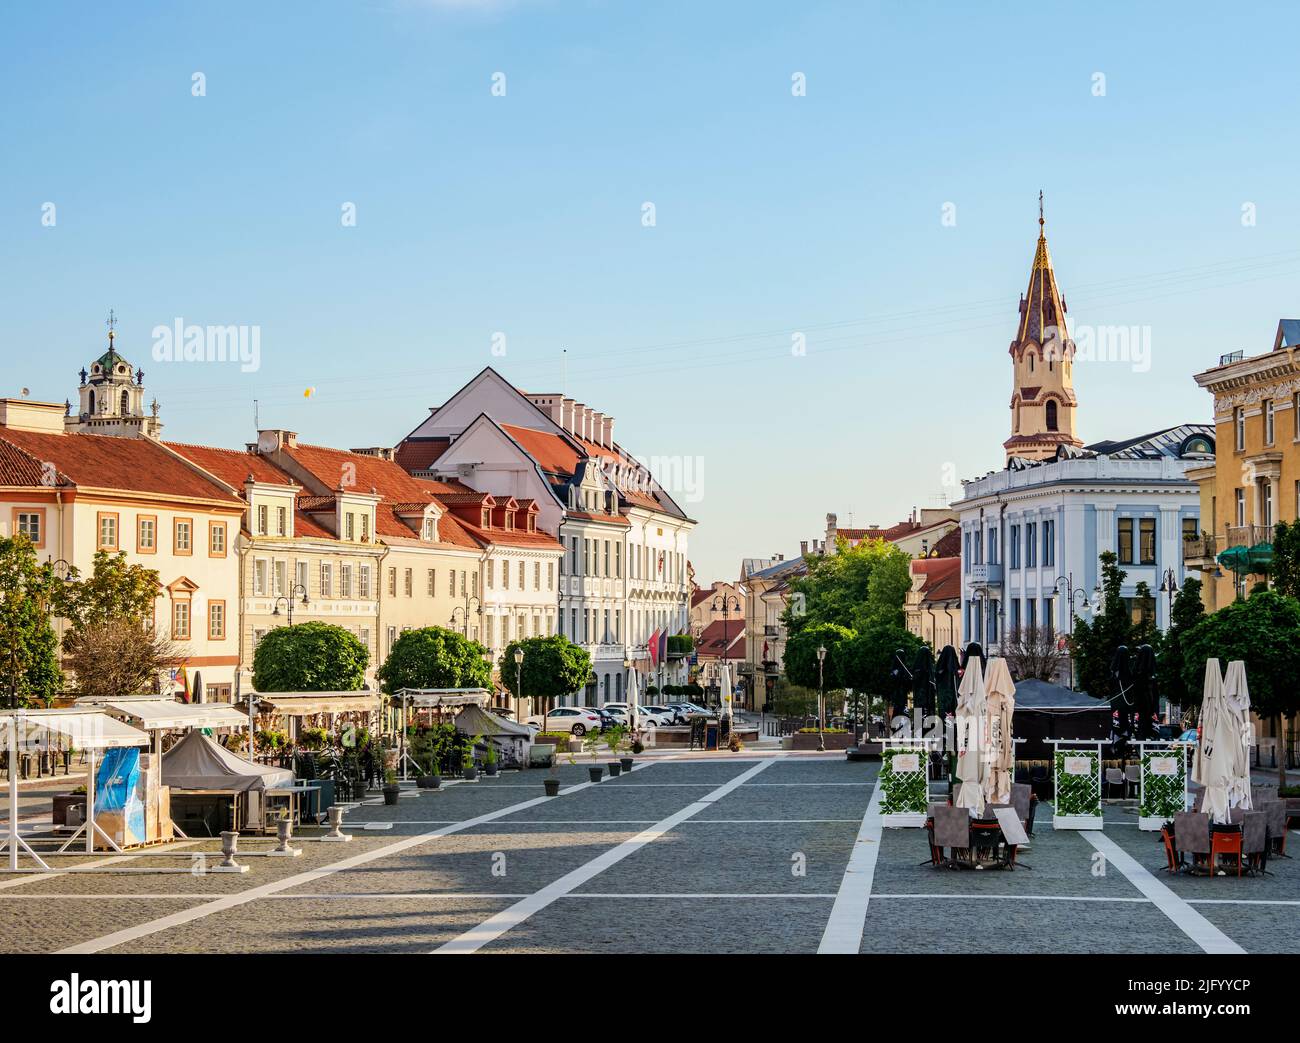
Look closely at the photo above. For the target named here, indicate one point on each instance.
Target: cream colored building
(75, 494)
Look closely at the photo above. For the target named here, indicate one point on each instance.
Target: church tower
(112, 398)
(1042, 359)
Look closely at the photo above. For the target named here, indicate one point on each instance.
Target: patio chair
(1254, 842)
(1275, 815)
(1235, 815)
(1133, 777)
(936, 852)
(1022, 799)
(951, 831)
(1191, 836)
(1261, 795)
(1225, 840)
(1114, 777)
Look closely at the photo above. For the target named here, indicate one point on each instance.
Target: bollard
(283, 833)
(336, 834)
(229, 848)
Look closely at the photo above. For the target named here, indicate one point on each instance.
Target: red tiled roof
(18, 468)
(894, 532)
(942, 578)
(420, 454)
(948, 545)
(552, 452)
(232, 466)
(107, 462)
(730, 631)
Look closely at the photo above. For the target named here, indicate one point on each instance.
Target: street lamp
(519, 683)
(723, 604)
(821, 698)
(1071, 592)
(1169, 586)
(288, 600)
(465, 611)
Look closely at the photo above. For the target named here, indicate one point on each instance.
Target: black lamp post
(1169, 586)
(294, 591)
(821, 698)
(723, 604)
(465, 610)
(1071, 592)
(519, 682)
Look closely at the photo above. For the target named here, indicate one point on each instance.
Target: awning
(447, 698)
(86, 730)
(308, 704)
(165, 714)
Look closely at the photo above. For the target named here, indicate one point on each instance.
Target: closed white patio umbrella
(1236, 698)
(971, 700)
(1213, 764)
(1000, 707)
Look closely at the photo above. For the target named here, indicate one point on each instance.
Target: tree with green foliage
(1094, 641)
(114, 590)
(801, 665)
(29, 659)
(553, 666)
(310, 657)
(850, 587)
(1286, 559)
(871, 657)
(434, 657)
(1264, 632)
(1187, 612)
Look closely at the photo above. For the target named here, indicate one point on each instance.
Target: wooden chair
(1191, 837)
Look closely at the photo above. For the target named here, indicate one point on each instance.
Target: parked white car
(657, 715)
(576, 719)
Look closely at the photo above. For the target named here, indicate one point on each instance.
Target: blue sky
(774, 214)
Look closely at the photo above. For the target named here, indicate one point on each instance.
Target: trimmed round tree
(310, 657)
(553, 666)
(434, 657)
(801, 655)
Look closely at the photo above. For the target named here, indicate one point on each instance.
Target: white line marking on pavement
(495, 926)
(848, 917)
(1208, 937)
(1014, 898)
(131, 934)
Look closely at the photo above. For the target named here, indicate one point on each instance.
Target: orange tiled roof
(107, 462)
(233, 466)
(942, 578)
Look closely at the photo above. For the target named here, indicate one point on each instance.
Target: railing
(1199, 547)
(986, 575)
(771, 630)
(1249, 535)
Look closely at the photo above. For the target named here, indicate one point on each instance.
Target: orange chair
(1225, 842)
(1167, 838)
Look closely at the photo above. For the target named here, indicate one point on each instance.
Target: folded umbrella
(971, 702)
(1000, 706)
(1211, 768)
(1236, 698)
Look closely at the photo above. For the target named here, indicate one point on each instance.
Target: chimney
(597, 426)
(566, 414)
(607, 435)
(579, 419)
(803, 548)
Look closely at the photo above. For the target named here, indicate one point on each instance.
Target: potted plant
(591, 743)
(391, 788)
(615, 737)
(552, 780)
(427, 750)
(468, 769)
(490, 759)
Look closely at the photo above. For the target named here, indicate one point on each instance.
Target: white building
(624, 572)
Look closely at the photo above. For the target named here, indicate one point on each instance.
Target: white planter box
(903, 819)
(1076, 822)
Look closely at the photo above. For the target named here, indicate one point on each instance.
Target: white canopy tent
(89, 730)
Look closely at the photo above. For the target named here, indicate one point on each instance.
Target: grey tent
(196, 762)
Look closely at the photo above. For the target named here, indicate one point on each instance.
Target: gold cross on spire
(1040, 211)
(112, 325)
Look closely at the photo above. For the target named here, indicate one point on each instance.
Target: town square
(614, 480)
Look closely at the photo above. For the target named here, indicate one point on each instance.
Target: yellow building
(1255, 480)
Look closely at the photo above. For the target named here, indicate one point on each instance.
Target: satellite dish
(267, 442)
(26, 392)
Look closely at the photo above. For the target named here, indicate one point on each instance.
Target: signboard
(905, 762)
(1163, 766)
(1078, 765)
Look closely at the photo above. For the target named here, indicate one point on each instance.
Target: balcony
(986, 575)
(1248, 535)
(1200, 551)
(771, 630)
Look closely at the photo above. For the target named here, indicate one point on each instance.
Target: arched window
(126, 404)
(1051, 415)
(92, 400)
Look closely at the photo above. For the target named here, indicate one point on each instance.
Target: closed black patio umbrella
(900, 683)
(1121, 703)
(923, 686)
(947, 676)
(1144, 692)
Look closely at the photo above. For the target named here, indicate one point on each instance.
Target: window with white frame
(259, 577)
(326, 580)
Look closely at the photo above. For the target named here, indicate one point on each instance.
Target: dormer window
(261, 519)
(487, 518)
(430, 528)
(510, 520)
(365, 527)
(532, 524)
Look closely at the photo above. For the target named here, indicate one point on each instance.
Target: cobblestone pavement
(756, 852)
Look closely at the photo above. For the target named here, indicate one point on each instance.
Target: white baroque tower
(112, 398)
